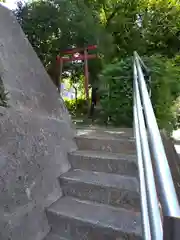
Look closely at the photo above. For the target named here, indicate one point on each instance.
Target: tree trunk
(54, 73)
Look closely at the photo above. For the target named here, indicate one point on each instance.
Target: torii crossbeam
(76, 56)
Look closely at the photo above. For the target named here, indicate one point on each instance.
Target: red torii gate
(80, 57)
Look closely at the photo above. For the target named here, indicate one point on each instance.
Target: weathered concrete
(108, 132)
(104, 162)
(54, 237)
(23, 74)
(100, 191)
(108, 144)
(112, 189)
(35, 137)
(106, 140)
(75, 219)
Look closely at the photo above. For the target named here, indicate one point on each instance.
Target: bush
(117, 100)
(76, 107)
(165, 88)
(116, 97)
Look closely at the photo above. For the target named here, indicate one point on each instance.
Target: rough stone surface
(104, 162)
(35, 137)
(29, 222)
(23, 75)
(76, 220)
(104, 188)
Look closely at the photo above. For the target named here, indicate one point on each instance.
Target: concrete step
(77, 220)
(112, 189)
(104, 131)
(106, 143)
(52, 236)
(104, 162)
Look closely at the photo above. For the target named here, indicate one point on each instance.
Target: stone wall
(35, 136)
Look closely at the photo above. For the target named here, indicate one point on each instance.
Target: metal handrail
(147, 72)
(147, 139)
(143, 194)
(152, 199)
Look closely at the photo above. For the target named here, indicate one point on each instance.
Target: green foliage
(40, 21)
(165, 89)
(53, 26)
(165, 85)
(76, 79)
(118, 27)
(160, 27)
(116, 95)
(147, 26)
(76, 107)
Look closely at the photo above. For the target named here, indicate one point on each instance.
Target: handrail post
(171, 228)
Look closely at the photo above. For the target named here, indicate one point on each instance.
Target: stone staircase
(101, 192)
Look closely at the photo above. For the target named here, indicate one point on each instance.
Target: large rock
(35, 137)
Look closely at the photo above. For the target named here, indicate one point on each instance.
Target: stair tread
(98, 214)
(102, 179)
(105, 133)
(106, 143)
(105, 155)
(101, 137)
(52, 236)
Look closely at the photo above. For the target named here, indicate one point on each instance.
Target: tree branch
(112, 15)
